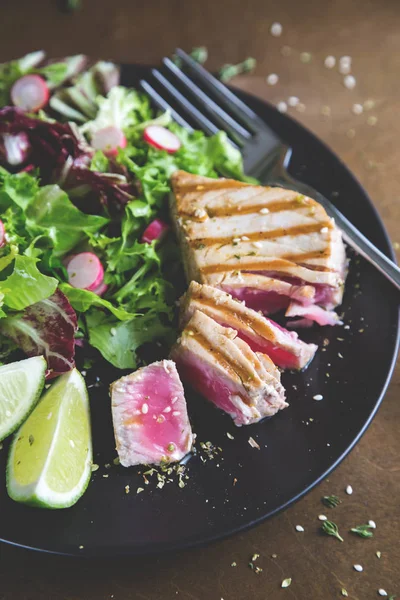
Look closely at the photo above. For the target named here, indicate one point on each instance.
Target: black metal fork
(264, 155)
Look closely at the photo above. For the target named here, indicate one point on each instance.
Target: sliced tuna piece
(267, 246)
(263, 335)
(151, 423)
(224, 369)
(313, 313)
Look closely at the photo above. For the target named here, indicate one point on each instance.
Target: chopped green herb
(344, 592)
(228, 71)
(31, 440)
(199, 54)
(331, 529)
(234, 564)
(286, 582)
(237, 256)
(363, 530)
(138, 491)
(331, 501)
(254, 557)
(378, 553)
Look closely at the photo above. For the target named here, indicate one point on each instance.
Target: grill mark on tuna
(258, 328)
(236, 371)
(273, 207)
(256, 267)
(262, 235)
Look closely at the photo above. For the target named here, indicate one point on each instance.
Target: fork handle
(363, 246)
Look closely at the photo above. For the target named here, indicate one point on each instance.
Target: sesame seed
(113, 331)
(330, 62)
(127, 489)
(160, 418)
(324, 230)
(369, 104)
(318, 397)
(174, 400)
(276, 29)
(236, 240)
(322, 518)
(299, 528)
(293, 100)
(349, 82)
(382, 592)
(272, 79)
(282, 107)
(167, 409)
(176, 413)
(305, 57)
(81, 547)
(345, 60)
(245, 238)
(372, 120)
(349, 490)
(257, 244)
(264, 211)
(378, 553)
(372, 524)
(301, 107)
(358, 568)
(357, 109)
(145, 408)
(94, 467)
(72, 443)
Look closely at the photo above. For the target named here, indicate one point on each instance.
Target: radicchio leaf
(46, 328)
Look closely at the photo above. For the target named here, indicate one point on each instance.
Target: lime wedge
(51, 455)
(21, 384)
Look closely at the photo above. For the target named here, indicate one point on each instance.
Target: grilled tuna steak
(284, 347)
(224, 369)
(267, 246)
(150, 418)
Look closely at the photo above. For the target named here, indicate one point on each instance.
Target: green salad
(87, 253)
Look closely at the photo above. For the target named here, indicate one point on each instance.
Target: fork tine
(226, 98)
(163, 104)
(224, 120)
(204, 123)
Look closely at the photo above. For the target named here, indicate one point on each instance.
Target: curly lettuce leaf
(26, 285)
(83, 300)
(118, 341)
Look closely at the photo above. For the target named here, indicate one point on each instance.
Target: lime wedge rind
(21, 384)
(38, 492)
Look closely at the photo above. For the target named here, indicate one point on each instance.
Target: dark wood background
(368, 31)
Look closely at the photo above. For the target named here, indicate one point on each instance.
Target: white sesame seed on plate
(358, 568)
(293, 100)
(330, 62)
(349, 82)
(349, 490)
(344, 69)
(357, 109)
(276, 29)
(272, 79)
(322, 518)
(382, 592)
(282, 107)
(372, 524)
(318, 397)
(299, 528)
(305, 57)
(345, 60)
(264, 211)
(145, 408)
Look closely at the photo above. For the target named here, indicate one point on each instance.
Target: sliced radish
(16, 147)
(161, 138)
(2, 234)
(154, 231)
(30, 93)
(109, 139)
(101, 289)
(85, 271)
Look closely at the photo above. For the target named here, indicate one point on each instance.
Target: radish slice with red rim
(161, 138)
(30, 93)
(101, 289)
(85, 271)
(109, 139)
(2, 234)
(154, 231)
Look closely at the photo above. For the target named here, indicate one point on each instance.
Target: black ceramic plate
(298, 447)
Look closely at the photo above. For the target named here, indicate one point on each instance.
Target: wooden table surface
(368, 31)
